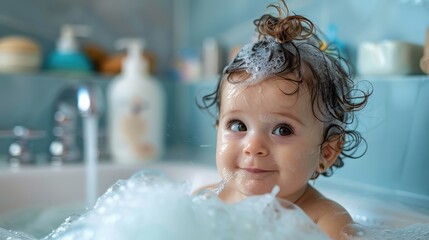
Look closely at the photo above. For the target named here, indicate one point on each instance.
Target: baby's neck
(229, 195)
(303, 195)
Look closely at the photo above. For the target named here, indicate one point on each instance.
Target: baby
(283, 105)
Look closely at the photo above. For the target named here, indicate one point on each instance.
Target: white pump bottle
(136, 109)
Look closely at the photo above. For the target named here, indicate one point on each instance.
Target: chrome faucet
(86, 100)
(66, 145)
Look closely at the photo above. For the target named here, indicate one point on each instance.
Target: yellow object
(424, 61)
(19, 54)
(323, 46)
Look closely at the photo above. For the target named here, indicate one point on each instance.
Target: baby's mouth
(257, 170)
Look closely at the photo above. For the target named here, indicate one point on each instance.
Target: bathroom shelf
(393, 78)
(54, 75)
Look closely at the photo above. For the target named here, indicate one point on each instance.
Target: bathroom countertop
(176, 156)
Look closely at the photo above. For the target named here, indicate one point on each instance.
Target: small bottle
(424, 61)
(136, 106)
(211, 59)
(68, 57)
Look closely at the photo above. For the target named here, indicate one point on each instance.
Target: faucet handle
(62, 152)
(20, 149)
(20, 153)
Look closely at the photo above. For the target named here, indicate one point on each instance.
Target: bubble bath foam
(151, 206)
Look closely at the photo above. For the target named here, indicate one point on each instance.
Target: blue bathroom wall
(357, 20)
(28, 100)
(189, 125)
(395, 126)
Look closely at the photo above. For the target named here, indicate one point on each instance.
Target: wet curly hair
(318, 65)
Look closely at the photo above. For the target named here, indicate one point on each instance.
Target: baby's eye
(237, 126)
(283, 130)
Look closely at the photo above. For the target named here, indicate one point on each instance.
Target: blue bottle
(68, 58)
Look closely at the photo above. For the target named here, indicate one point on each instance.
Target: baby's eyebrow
(229, 112)
(271, 117)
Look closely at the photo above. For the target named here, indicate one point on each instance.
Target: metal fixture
(83, 100)
(20, 151)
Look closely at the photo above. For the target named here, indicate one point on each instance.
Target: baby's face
(266, 138)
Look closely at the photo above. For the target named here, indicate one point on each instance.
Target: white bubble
(151, 206)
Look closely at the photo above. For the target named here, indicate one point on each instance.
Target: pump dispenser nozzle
(67, 41)
(134, 63)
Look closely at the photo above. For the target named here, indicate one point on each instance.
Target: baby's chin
(254, 187)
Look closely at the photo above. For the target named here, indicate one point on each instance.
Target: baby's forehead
(275, 92)
(281, 86)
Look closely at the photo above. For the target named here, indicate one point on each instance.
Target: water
(416, 231)
(151, 206)
(90, 130)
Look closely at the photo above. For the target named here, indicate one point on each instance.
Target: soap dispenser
(68, 56)
(136, 109)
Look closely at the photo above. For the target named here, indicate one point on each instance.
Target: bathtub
(37, 200)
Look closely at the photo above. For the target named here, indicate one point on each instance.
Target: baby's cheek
(227, 141)
(290, 167)
(299, 162)
(225, 150)
(229, 136)
(222, 149)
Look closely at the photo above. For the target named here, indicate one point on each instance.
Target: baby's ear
(331, 148)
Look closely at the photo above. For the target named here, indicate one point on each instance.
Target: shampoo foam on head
(136, 109)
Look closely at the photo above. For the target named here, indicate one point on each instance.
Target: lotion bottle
(136, 109)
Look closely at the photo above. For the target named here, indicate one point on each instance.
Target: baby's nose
(256, 146)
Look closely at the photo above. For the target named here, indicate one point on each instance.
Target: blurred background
(187, 42)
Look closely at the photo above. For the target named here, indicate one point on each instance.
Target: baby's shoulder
(328, 215)
(320, 207)
(328, 205)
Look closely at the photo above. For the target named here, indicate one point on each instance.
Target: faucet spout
(88, 100)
